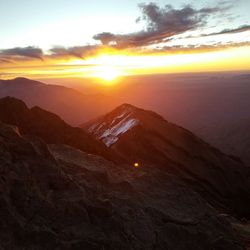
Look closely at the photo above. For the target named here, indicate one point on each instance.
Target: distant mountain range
(70, 104)
(211, 107)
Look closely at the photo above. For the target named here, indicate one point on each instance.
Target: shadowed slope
(145, 137)
(50, 127)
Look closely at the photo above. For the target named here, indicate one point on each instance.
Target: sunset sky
(106, 39)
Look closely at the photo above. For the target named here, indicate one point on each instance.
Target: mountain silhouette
(50, 127)
(71, 105)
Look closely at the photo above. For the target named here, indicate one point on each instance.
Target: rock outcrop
(57, 197)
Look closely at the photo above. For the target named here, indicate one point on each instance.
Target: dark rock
(145, 137)
(47, 202)
(50, 127)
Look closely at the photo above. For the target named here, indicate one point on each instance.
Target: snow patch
(119, 116)
(96, 127)
(110, 140)
(110, 136)
(110, 131)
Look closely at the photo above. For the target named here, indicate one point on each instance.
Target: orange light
(136, 164)
(107, 73)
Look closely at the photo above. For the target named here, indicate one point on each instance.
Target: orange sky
(197, 37)
(109, 66)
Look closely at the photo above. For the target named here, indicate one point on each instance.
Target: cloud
(105, 37)
(161, 25)
(28, 52)
(19, 54)
(240, 29)
(196, 48)
(76, 51)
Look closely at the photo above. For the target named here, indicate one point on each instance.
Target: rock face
(57, 197)
(145, 137)
(50, 127)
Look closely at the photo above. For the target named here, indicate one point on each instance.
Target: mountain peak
(22, 81)
(145, 138)
(110, 127)
(124, 108)
(126, 105)
(13, 103)
(72, 105)
(116, 123)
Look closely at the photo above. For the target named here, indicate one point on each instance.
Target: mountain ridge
(58, 99)
(157, 142)
(50, 127)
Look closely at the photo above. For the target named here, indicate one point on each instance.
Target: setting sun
(107, 73)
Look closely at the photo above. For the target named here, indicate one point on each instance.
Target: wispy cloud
(196, 48)
(237, 30)
(231, 31)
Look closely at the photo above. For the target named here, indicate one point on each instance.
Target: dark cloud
(29, 52)
(173, 20)
(77, 51)
(161, 24)
(105, 37)
(196, 48)
(240, 29)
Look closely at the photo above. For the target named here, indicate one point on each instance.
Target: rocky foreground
(57, 197)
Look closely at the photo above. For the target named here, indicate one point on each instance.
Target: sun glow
(108, 68)
(106, 73)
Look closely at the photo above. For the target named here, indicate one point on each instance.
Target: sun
(107, 73)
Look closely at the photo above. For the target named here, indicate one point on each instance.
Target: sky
(111, 38)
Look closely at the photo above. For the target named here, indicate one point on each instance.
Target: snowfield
(116, 128)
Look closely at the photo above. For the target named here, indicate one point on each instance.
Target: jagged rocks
(48, 202)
